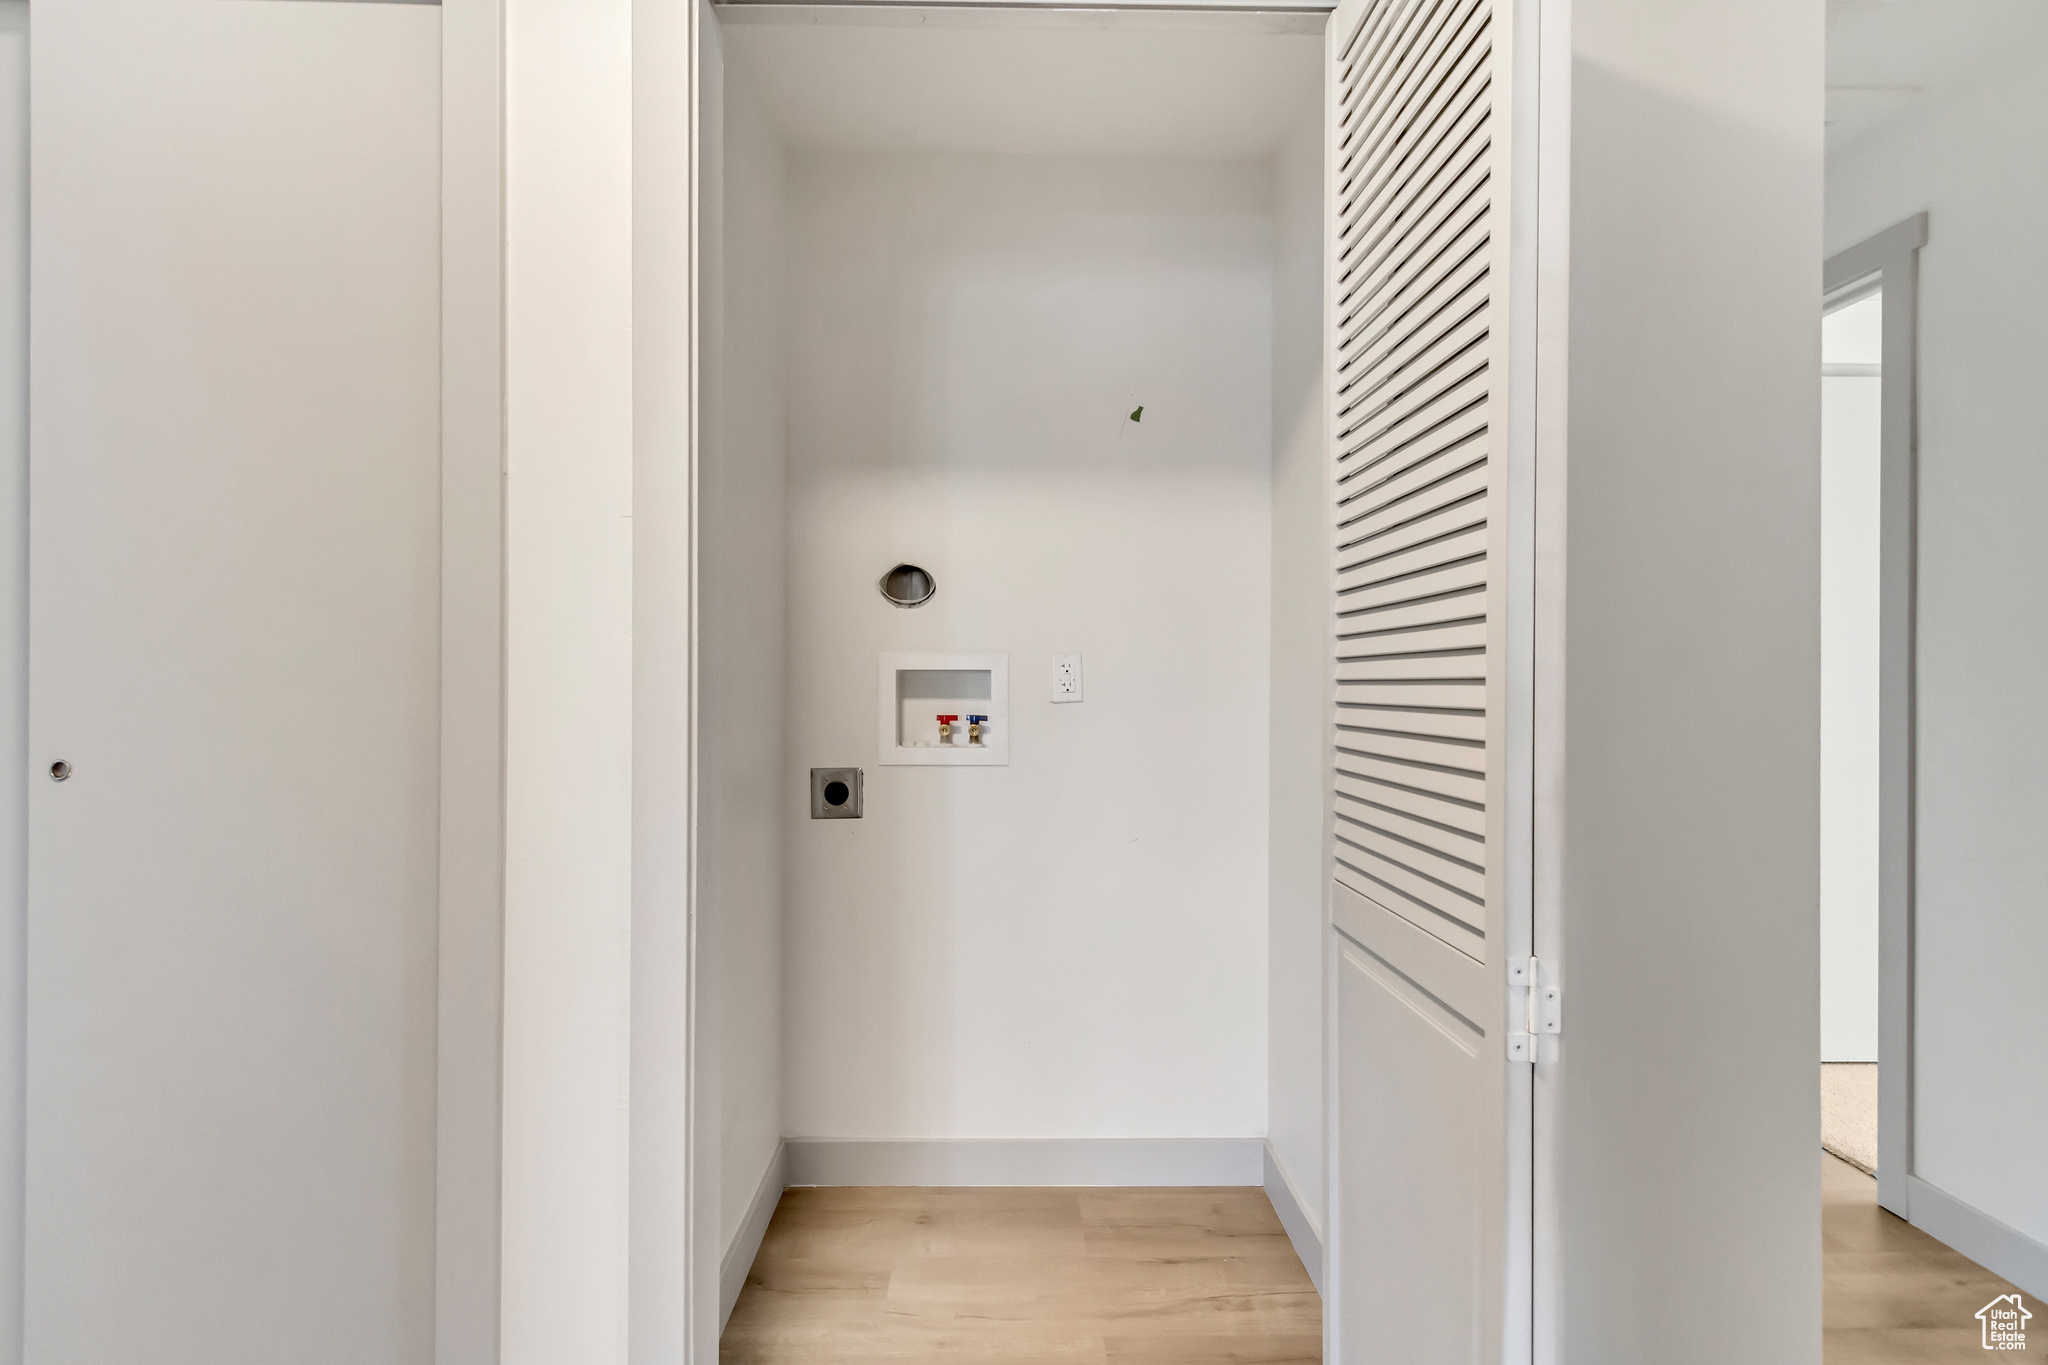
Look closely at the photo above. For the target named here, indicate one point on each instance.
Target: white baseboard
(2000, 1249)
(746, 1243)
(1026, 1161)
(1305, 1232)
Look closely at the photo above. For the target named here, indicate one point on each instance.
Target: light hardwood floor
(1889, 1292)
(1022, 1276)
(1195, 1276)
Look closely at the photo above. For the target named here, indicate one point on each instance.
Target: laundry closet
(1030, 302)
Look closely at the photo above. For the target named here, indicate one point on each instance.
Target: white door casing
(1430, 1117)
(1892, 259)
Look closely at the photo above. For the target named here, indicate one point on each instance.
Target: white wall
(1301, 674)
(1678, 1191)
(671, 1195)
(1073, 945)
(13, 646)
(1849, 454)
(1982, 938)
(569, 761)
(745, 807)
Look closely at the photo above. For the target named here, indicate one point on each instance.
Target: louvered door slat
(1376, 662)
(1455, 694)
(1432, 346)
(1416, 746)
(1394, 823)
(1449, 110)
(1356, 617)
(1354, 712)
(1425, 775)
(1372, 320)
(1388, 180)
(1455, 634)
(1393, 866)
(1413, 468)
(1428, 868)
(1382, 64)
(1463, 483)
(1447, 293)
(1358, 711)
(1423, 33)
(1426, 906)
(1467, 573)
(1418, 512)
(1354, 786)
(1441, 403)
(1422, 377)
(1414, 535)
(1435, 211)
(1368, 326)
(1390, 114)
(1427, 864)
(1450, 446)
(1465, 541)
(1448, 117)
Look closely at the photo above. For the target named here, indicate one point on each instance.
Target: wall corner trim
(1025, 1161)
(1303, 1229)
(746, 1243)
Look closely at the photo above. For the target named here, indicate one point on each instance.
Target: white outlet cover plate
(1061, 665)
(892, 706)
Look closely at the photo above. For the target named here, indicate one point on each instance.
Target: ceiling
(1888, 59)
(946, 81)
(1070, 82)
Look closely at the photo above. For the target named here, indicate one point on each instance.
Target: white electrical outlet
(1066, 677)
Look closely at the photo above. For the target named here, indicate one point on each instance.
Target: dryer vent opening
(906, 585)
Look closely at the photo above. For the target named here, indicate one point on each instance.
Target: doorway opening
(1026, 306)
(1852, 423)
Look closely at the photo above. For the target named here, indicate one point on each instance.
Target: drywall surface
(743, 829)
(1073, 945)
(1981, 943)
(672, 1191)
(943, 80)
(1677, 1176)
(1301, 675)
(13, 645)
(1849, 429)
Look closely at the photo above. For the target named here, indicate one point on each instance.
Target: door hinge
(1542, 1007)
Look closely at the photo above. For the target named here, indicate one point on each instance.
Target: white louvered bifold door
(1418, 351)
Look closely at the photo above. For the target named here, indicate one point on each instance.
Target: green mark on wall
(1137, 412)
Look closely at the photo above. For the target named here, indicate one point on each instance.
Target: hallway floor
(1022, 1276)
(1195, 1276)
(1889, 1292)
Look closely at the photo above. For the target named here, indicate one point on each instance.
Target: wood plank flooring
(1202, 1276)
(1023, 1276)
(1889, 1292)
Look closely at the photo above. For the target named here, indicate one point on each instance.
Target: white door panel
(1407, 1106)
(1429, 1245)
(234, 644)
